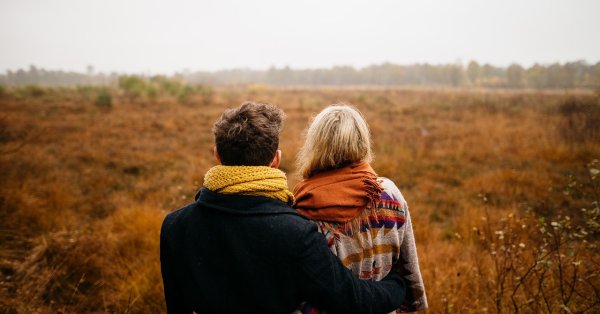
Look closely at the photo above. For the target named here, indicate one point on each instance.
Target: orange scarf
(338, 195)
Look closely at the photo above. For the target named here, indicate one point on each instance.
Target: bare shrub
(32, 91)
(543, 264)
(104, 100)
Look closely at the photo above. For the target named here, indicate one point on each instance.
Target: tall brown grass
(503, 189)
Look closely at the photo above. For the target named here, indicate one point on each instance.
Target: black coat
(253, 254)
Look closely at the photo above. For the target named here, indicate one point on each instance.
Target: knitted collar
(338, 195)
(249, 180)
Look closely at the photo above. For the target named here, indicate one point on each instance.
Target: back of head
(248, 135)
(337, 136)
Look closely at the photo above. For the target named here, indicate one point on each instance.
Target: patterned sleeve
(408, 264)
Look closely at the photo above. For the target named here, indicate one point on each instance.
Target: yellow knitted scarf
(249, 180)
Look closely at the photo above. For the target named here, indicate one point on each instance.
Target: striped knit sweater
(371, 245)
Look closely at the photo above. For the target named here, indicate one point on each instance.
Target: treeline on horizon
(578, 74)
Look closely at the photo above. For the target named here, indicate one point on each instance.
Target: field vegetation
(503, 187)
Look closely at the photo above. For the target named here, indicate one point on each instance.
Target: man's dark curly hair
(248, 135)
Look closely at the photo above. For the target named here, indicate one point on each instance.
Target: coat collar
(242, 204)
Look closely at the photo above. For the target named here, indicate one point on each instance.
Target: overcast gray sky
(165, 36)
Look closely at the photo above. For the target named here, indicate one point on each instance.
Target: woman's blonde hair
(337, 136)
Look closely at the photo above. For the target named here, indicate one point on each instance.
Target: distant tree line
(568, 75)
(38, 76)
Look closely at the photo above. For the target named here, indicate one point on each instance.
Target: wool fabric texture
(249, 180)
(338, 195)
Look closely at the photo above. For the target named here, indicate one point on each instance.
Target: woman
(364, 219)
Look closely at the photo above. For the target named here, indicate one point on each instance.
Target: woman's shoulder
(391, 191)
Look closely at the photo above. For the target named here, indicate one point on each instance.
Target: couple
(342, 242)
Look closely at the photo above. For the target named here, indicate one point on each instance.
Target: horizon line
(293, 68)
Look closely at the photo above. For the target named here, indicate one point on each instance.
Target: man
(241, 248)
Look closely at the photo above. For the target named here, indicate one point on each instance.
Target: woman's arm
(408, 267)
(408, 262)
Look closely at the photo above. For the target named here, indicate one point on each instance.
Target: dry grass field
(504, 191)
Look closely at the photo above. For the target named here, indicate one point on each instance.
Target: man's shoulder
(279, 217)
(176, 217)
(292, 221)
